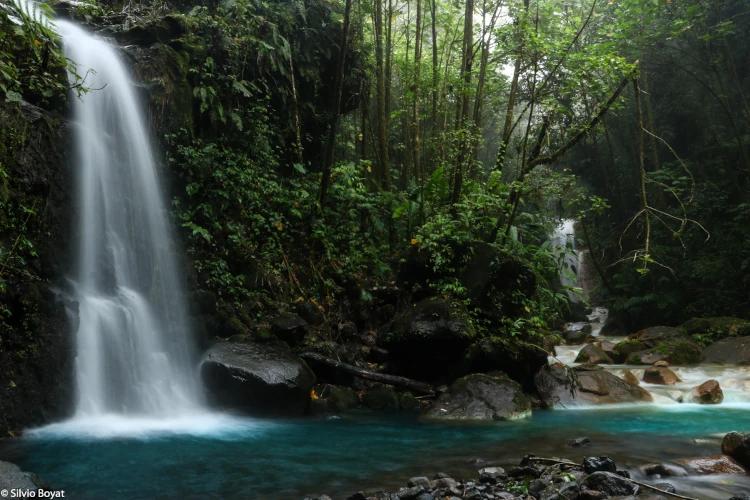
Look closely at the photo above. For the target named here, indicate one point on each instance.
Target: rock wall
(36, 318)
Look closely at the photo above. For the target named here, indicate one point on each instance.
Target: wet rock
(576, 333)
(338, 398)
(592, 353)
(259, 379)
(381, 398)
(630, 378)
(625, 348)
(708, 393)
(596, 464)
(309, 312)
(717, 327)
(730, 351)
(664, 470)
(608, 348)
(419, 481)
(737, 446)
(491, 474)
(579, 442)
(519, 360)
(12, 477)
(609, 484)
(660, 375)
(668, 487)
(587, 494)
(482, 397)
(558, 385)
(718, 464)
(289, 327)
(655, 334)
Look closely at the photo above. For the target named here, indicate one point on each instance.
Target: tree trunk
(382, 172)
(336, 108)
(463, 112)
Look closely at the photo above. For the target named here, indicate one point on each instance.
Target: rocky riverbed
(594, 478)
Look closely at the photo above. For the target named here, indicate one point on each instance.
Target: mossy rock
(675, 351)
(627, 347)
(707, 330)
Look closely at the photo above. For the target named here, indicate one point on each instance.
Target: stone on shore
(12, 478)
(559, 385)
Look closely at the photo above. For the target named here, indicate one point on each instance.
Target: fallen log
(395, 380)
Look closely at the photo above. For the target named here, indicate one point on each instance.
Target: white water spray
(135, 356)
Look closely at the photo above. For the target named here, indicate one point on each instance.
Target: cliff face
(36, 318)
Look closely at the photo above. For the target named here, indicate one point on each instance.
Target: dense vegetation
(328, 151)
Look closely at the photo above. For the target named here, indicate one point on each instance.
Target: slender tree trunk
(382, 172)
(435, 67)
(513, 93)
(417, 145)
(463, 112)
(298, 148)
(336, 108)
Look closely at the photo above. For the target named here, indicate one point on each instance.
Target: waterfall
(563, 242)
(134, 350)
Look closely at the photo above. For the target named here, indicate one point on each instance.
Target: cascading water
(134, 346)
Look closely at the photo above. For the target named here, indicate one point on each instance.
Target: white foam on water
(116, 426)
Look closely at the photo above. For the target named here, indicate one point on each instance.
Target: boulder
(630, 378)
(664, 470)
(660, 375)
(591, 353)
(655, 334)
(519, 360)
(718, 464)
(491, 474)
(596, 464)
(678, 351)
(12, 478)
(610, 484)
(730, 351)
(428, 337)
(482, 396)
(289, 327)
(381, 397)
(576, 333)
(338, 398)
(716, 327)
(258, 379)
(558, 385)
(737, 446)
(709, 392)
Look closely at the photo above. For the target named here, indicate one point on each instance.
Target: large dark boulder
(737, 446)
(257, 379)
(482, 396)
(655, 334)
(559, 385)
(428, 339)
(519, 360)
(610, 484)
(730, 351)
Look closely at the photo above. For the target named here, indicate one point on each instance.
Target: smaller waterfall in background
(563, 241)
(134, 352)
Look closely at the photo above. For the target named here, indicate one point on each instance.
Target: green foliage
(32, 66)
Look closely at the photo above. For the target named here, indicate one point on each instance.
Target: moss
(705, 331)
